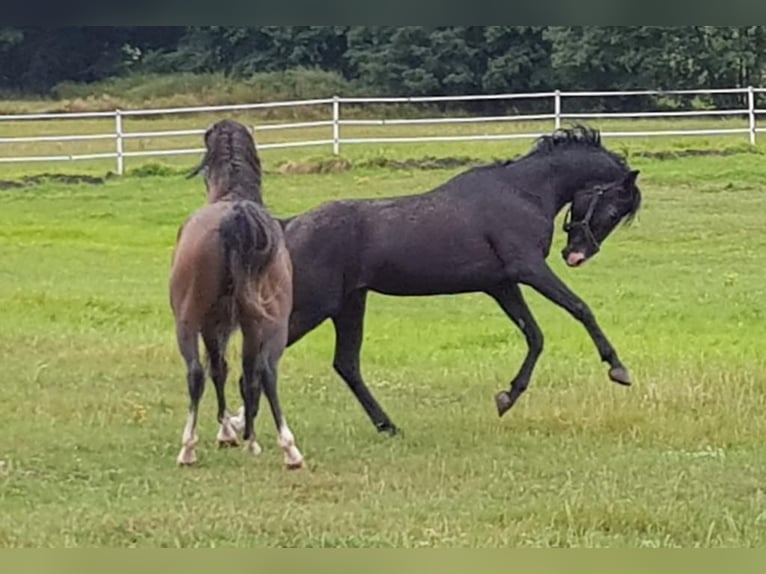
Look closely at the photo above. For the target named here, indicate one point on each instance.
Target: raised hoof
(620, 376)
(295, 465)
(390, 429)
(504, 402)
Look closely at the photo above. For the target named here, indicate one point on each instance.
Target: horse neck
(227, 188)
(562, 174)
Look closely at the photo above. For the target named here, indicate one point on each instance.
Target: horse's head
(594, 214)
(231, 165)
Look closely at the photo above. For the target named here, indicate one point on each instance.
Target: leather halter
(584, 223)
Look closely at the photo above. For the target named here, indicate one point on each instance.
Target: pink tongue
(575, 258)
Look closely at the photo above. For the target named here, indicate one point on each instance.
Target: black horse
(488, 230)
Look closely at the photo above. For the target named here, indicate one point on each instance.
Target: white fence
(335, 122)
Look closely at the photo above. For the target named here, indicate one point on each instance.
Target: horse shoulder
(519, 235)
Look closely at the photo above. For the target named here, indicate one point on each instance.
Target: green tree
(415, 60)
(518, 59)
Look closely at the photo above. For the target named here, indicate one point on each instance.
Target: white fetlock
(237, 421)
(253, 447)
(286, 441)
(227, 436)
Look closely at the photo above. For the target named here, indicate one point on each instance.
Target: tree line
(410, 60)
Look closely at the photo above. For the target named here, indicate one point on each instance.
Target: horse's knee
(582, 312)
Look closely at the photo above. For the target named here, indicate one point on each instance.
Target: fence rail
(334, 137)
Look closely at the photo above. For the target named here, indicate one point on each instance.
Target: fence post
(118, 136)
(335, 125)
(557, 109)
(751, 113)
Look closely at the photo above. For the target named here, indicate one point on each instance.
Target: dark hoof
(228, 443)
(390, 429)
(620, 375)
(504, 402)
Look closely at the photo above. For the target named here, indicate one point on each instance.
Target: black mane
(635, 206)
(578, 136)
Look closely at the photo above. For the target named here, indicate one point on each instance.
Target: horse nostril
(575, 258)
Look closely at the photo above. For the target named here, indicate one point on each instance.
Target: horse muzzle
(575, 258)
(577, 254)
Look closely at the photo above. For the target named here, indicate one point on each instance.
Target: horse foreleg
(542, 279)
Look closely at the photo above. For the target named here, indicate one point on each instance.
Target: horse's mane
(576, 137)
(231, 161)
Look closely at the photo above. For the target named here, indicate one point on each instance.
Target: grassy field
(93, 397)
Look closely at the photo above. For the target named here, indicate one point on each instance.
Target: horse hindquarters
(260, 270)
(192, 291)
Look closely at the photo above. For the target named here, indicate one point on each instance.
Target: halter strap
(584, 223)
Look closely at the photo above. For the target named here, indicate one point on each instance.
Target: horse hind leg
(511, 301)
(267, 369)
(215, 344)
(349, 332)
(195, 378)
(250, 389)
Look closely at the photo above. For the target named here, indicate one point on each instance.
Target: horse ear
(630, 179)
(196, 170)
(209, 132)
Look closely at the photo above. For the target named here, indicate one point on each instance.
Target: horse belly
(435, 274)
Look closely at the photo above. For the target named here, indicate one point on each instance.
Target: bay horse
(488, 229)
(231, 269)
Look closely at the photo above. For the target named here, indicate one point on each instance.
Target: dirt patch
(31, 180)
(337, 165)
(676, 154)
(428, 162)
(332, 165)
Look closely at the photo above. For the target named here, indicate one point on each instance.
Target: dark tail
(250, 239)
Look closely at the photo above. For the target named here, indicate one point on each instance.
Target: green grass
(93, 398)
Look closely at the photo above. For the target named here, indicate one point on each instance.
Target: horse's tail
(251, 239)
